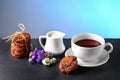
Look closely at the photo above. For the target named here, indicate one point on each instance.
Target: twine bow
(22, 27)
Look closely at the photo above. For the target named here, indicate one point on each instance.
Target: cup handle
(40, 41)
(109, 45)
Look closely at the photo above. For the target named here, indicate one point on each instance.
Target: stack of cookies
(21, 44)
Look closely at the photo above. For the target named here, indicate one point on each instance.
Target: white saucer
(99, 61)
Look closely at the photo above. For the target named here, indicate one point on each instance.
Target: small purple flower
(48, 55)
(31, 60)
(40, 56)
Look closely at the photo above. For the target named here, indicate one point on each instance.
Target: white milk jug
(54, 42)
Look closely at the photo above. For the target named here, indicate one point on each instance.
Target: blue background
(70, 16)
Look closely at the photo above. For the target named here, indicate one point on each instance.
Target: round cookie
(18, 54)
(22, 37)
(22, 43)
(68, 64)
(20, 48)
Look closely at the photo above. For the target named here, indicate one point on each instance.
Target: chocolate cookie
(17, 55)
(68, 64)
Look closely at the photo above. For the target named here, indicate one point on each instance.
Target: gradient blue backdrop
(70, 16)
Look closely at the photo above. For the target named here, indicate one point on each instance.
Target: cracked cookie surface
(68, 64)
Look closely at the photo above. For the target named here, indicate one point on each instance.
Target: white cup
(89, 53)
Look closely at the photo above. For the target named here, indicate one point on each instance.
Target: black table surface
(20, 69)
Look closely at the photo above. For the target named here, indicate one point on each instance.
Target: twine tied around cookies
(16, 37)
(10, 37)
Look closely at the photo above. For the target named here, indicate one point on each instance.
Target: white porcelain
(54, 42)
(102, 59)
(88, 54)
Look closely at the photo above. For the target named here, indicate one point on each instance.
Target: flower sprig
(37, 56)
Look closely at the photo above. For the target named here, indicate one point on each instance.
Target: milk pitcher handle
(40, 41)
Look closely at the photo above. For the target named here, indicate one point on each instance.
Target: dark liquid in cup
(88, 43)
